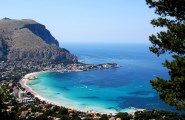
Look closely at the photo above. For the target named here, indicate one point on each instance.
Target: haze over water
(110, 90)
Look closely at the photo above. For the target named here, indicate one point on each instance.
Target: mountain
(28, 40)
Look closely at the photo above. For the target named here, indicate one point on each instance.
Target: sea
(109, 90)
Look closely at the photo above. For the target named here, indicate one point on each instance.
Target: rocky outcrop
(3, 49)
(28, 40)
(46, 55)
(42, 32)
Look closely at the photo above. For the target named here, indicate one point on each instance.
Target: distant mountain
(28, 40)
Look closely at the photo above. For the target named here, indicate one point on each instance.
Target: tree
(63, 111)
(158, 115)
(124, 116)
(104, 117)
(171, 41)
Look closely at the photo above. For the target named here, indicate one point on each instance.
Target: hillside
(28, 40)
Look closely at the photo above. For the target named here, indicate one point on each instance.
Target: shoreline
(25, 79)
(24, 82)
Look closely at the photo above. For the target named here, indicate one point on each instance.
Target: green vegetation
(158, 115)
(124, 116)
(4, 98)
(104, 117)
(171, 41)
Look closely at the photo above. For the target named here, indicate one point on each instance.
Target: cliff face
(42, 32)
(29, 40)
(3, 49)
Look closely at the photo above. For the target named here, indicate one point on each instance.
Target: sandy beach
(27, 77)
(24, 82)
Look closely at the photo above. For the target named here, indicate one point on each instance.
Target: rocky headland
(26, 40)
(27, 46)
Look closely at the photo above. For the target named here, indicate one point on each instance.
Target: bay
(110, 90)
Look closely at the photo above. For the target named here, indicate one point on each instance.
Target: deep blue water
(107, 90)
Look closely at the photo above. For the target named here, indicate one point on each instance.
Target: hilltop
(23, 40)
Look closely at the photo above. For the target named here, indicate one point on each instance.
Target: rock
(28, 40)
(42, 32)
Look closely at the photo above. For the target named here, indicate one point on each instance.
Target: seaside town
(17, 69)
(18, 103)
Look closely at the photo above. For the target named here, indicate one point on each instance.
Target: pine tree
(171, 41)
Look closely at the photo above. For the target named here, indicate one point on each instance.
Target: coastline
(25, 79)
(24, 82)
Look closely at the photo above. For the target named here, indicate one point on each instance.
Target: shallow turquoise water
(109, 90)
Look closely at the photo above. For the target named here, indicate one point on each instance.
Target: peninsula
(27, 46)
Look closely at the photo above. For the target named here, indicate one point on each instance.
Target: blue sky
(87, 21)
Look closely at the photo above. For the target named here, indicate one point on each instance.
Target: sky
(87, 21)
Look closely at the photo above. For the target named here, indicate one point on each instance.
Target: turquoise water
(111, 90)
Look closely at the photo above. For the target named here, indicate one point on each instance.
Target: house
(27, 100)
(22, 94)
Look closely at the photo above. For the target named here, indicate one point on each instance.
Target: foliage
(42, 117)
(171, 41)
(49, 112)
(65, 117)
(56, 108)
(75, 116)
(104, 117)
(88, 118)
(124, 116)
(4, 115)
(158, 115)
(63, 111)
